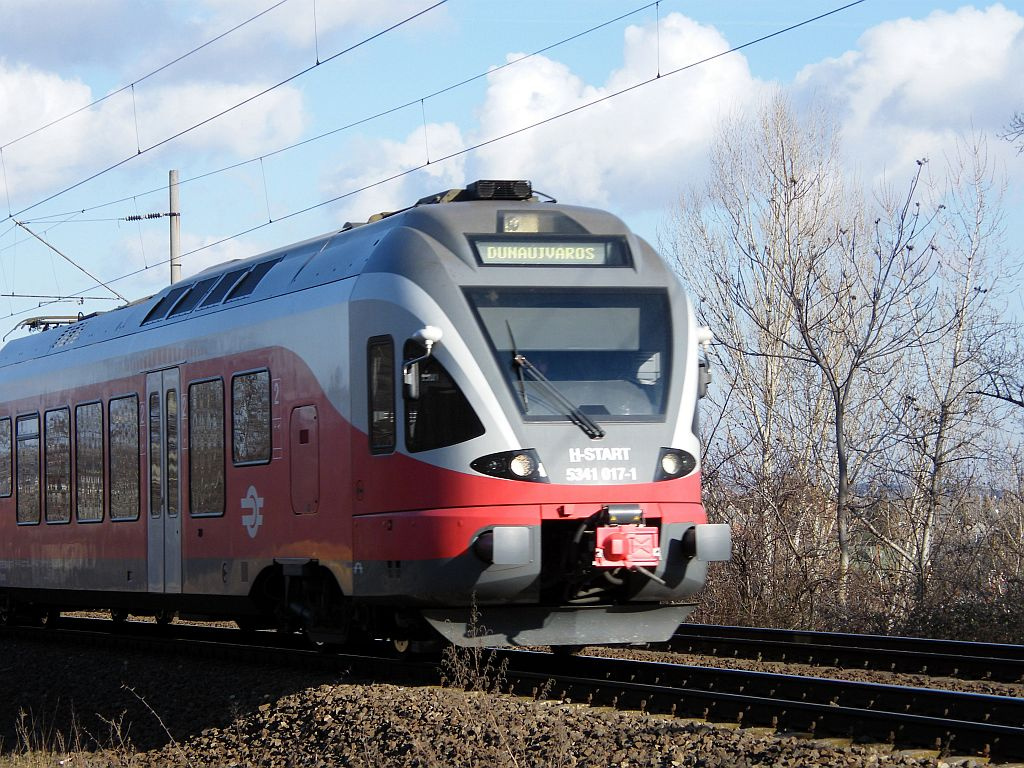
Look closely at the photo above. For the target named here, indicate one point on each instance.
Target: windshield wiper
(515, 354)
(577, 416)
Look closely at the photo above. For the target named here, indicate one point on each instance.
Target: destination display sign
(550, 252)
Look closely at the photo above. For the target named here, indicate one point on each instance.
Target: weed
(40, 743)
(473, 667)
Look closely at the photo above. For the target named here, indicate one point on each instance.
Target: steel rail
(951, 658)
(261, 647)
(950, 721)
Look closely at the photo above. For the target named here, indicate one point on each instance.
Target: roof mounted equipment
(485, 189)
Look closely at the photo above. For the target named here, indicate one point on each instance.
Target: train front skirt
(539, 625)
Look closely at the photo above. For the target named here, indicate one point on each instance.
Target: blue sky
(903, 80)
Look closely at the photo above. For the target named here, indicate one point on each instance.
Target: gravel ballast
(116, 707)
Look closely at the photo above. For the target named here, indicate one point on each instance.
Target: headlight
(673, 463)
(512, 465)
(522, 464)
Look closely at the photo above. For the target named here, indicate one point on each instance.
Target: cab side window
(250, 418)
(439, 415)
(6, 484)
(380, 367)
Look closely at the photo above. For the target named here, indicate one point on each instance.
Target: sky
(287, 118)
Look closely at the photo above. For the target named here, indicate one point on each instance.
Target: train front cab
(530, 475)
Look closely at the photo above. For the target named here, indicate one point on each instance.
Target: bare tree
(1014, 131)
(763, 455)
(1006, 514)
(1004, 372)
(940, 428)
(796, 269)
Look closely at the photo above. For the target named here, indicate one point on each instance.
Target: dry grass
(39, 744)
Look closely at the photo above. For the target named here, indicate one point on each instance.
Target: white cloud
(908, 91)
(73, 34)
(264, 124)
(105, 134)
(41, 161)
(913, 85)
(377, 159)
(632, 151)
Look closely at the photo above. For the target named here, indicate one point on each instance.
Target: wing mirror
(704, 339)
(428, 336)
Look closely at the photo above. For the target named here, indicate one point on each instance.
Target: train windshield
(583, 355)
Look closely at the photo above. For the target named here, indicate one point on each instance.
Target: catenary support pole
(175, 217)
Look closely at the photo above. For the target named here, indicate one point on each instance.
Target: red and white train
(473, 417)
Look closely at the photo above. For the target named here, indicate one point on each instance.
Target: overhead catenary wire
(368, 118)
(133, 83)
(228, 110)
(531, 126)
(494, 139)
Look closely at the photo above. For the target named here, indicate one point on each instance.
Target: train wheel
(324, 646)
(118, 615)
(328, 639)
(164, 616)
(404, 646)
(6, 613)
(49, 618)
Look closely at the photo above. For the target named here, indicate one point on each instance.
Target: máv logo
(254, 502)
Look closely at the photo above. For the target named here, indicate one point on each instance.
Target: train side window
(206, 447)
(27, 458)
(123, 439)
(380, 366)
(441, 415)
(6, 454)
(171, 424)
(89, 462)
(57, 463)
(250, 418)
(156, 475)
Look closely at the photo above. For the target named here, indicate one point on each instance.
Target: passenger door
(304, 453)
(163, 416)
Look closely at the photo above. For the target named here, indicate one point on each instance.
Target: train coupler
(624, 541)
(630, 547)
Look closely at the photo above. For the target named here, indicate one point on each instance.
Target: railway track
(898, 716)
(903, 717)
(271, 648)
(935, 658)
